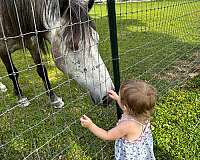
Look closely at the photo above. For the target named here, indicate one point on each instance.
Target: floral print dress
(140, 149)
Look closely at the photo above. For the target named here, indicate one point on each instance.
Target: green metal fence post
(114, 48)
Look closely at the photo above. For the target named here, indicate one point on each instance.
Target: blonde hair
(139, 97)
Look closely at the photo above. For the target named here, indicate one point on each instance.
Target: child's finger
(110, 92)
(82, 124)
(82, 119)
(86, 118)
(111, 96)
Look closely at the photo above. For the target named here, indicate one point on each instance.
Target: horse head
(75, 49)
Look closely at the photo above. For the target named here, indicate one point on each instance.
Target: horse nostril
(106, 100)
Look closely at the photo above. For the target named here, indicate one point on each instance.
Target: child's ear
(125, 108)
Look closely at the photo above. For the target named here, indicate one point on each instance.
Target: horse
(67, 26)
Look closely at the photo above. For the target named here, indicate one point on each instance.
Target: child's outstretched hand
(86, 121)
(113, 95)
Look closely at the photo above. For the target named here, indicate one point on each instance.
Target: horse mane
(78, 23)
(31, 16)
(17, 16)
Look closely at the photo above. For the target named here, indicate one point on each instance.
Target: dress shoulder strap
(132, 119)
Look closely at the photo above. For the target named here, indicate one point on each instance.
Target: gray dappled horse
(72, 35)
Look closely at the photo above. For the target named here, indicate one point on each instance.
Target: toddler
(132, 134)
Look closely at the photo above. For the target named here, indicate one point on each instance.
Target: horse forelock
(77, 24)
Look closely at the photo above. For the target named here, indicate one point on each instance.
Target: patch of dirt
(181, 69)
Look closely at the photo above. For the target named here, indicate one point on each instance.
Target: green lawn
(159, 42)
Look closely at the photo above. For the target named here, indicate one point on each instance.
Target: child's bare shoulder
(130, 124)
(133, 129)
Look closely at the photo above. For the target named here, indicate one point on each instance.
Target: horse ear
(90, 4)
(64, 4)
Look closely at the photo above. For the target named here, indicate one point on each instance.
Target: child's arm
(115, 133)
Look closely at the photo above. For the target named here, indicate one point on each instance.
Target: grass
(176, 123)
(158, 42)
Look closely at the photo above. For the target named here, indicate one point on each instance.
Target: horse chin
(93, 100)
(105, 101)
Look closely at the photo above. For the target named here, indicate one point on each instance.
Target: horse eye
(85, 69)
(97, 66)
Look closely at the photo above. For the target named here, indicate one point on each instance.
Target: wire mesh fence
(158, 42)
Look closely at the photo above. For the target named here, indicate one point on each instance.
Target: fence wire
(158, 42)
